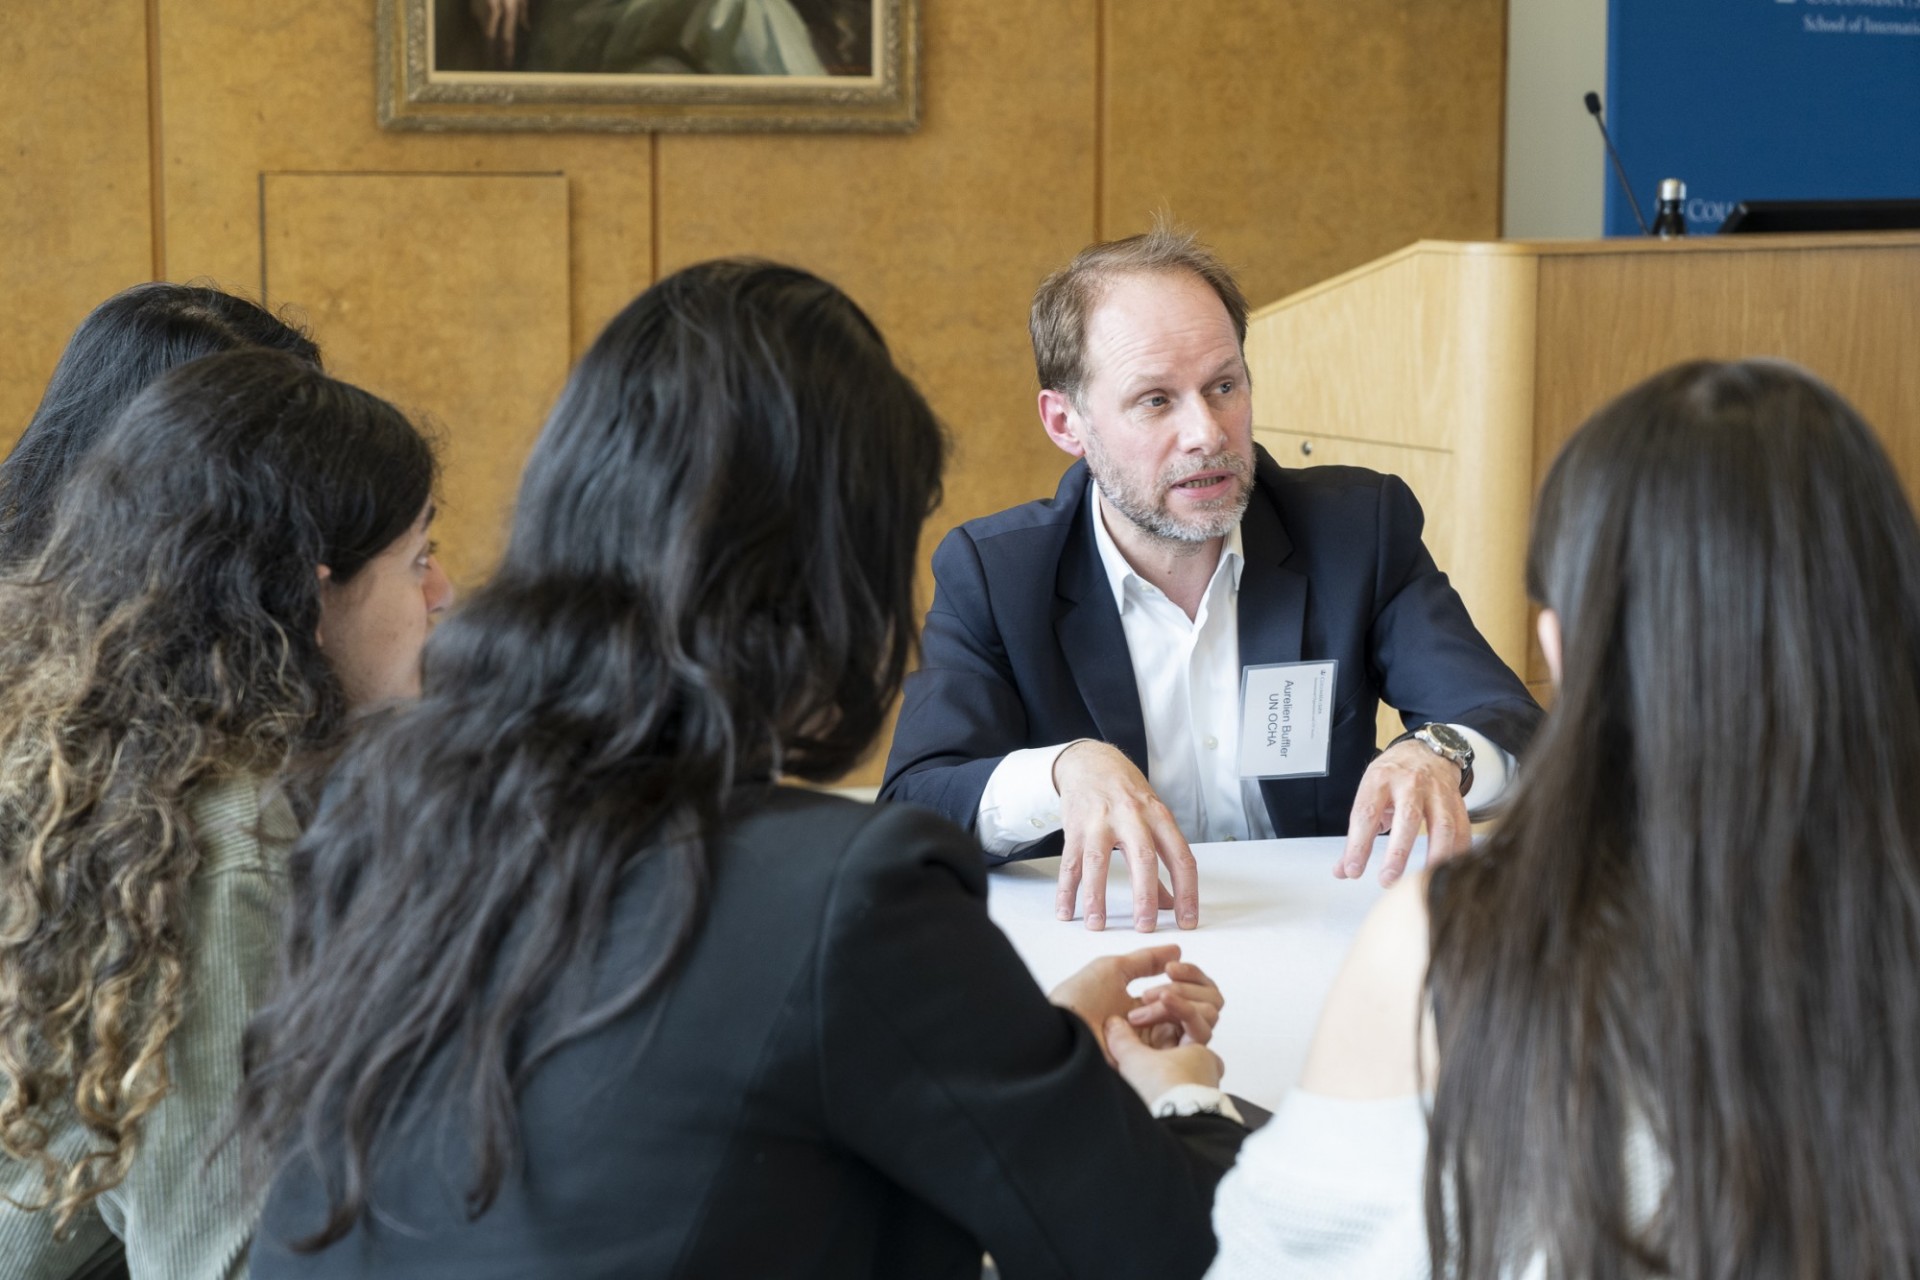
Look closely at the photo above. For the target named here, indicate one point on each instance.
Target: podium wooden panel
(1464, 367)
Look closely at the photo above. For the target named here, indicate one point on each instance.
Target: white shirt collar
(1232, 553)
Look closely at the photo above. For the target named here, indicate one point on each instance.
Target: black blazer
(850, 1074)
(1024, 648)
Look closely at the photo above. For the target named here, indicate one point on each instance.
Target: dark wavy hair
(1699, 922)
(123, 344)
(165, 636)
(709, 584)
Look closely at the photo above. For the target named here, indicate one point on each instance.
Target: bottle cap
(1672, 189)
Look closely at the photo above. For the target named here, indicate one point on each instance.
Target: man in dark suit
(1082, 686)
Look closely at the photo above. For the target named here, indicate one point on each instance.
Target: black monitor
(1755, 216)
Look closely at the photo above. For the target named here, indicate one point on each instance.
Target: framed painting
(638, 66)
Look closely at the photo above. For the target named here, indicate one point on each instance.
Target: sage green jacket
(180, 1217)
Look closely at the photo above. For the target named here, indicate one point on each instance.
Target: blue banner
(1762, 100)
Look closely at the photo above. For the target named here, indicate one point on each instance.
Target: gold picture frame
(673, 93)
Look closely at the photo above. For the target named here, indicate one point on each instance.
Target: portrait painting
(641, 65)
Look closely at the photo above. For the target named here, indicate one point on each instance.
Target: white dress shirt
(1187, 672)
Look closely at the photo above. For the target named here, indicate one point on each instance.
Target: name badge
(1286, 719)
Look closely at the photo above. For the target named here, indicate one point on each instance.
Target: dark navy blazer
(1024, 648)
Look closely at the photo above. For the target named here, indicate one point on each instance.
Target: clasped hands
(1106, 804)
(1158, 1038)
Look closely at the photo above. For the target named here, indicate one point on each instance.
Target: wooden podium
(1463, 368)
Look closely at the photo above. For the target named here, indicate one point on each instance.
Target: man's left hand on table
(1406, 788)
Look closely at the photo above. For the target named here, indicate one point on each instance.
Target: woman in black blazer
(577, 987)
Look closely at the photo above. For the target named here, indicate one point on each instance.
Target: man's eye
(1155, 402)
(1226, 387)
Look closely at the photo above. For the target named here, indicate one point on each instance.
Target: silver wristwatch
(1446, 742)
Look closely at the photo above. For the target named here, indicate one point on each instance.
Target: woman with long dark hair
(123, 344)
(239, 561)
(1672, 1017)
(579, 987)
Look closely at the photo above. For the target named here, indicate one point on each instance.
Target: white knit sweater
(1336, 1188)
(1328, 1187)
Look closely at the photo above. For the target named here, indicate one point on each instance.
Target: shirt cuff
(1195, 1100)
(1019, 804)
(1492, 769)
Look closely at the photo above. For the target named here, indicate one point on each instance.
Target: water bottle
(1671, 220)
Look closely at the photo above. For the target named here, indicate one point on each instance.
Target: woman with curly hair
(123, 344)
(240, 561)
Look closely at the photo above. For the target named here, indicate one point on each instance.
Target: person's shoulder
(1388, 961)
(1320, 482)
(241, 823)
(907, 836)
(1013, 551)
(1393, 942)
(882, 847)
(1326, 507)
(794, 816)
(1040, 515)
(844, 865)
(1366, 1045)
(840, 828)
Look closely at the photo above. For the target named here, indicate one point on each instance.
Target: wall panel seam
(261, 182)
(1099, 120)
(156, 147)
(1259, 427)
(653, 207)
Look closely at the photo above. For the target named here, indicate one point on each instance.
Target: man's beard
(1148, 509)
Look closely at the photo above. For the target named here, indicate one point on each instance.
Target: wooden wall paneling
(1495, 352)
(249, 88)
(1848, 311)
(1427, 353)
(1341, 358)
(1481, 354)
(75, 210)
(460, 320)
(1302, 138)
(940, 235)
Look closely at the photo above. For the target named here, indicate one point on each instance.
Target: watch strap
(1465, 765)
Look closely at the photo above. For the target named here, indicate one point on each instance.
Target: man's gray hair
(1065, 299)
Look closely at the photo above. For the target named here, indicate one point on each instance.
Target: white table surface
(1274, 928)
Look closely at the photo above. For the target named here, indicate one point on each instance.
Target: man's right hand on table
(1105, 804)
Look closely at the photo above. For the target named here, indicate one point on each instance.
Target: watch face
(1445, 736)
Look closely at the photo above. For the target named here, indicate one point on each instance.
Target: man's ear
(1062, 422)
(1548, 628)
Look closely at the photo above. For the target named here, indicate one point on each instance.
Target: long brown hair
(165, 636)
(1699, 923)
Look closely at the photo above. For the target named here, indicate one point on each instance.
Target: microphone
(1593, 109)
